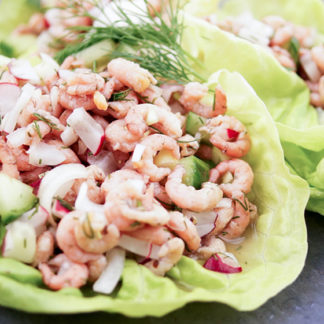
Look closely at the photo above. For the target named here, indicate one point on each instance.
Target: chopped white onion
(66, 74)
(22, 69)
(235, 241)
(90, 132)
(69, 136)
(138, 152)
(85, 204)
(10, 119)
(58, 181)
(139, 247)
(54, 97)
(9, 94)
(20, 242)
(110, 276)
(49, 60)
(41, 154)
(17, 137)
(36, 217)
(310, 67)
(205, 221)
(151, 117)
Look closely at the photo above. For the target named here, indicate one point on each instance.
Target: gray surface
(302, 302)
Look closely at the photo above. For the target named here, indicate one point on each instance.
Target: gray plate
(302, 302)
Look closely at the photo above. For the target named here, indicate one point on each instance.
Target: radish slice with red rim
(215, 263)
(23, 70)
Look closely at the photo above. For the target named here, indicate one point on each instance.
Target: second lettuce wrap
(284, 93)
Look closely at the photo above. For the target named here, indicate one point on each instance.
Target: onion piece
(234, 241)
(205, 221)
(105, 160)
(90, 132)
(310, 67)
(20, 242)
(23, 70)
(215, 263)
(36, 217)
(58, 181)
(17, 137)
(138, 152)
(69, 136)
(42, 154)
(139, 247)
(9, 94)
(10, 119)
(110, 276)
(85, 204)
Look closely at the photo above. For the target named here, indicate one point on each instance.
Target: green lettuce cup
(276, 242)
(284, 93)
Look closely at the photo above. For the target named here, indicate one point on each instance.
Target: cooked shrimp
(94, 235)
(8, 160)
(68, 273)
(154, 234)
(284, 57)
(36, 131)
(70, 156)
(127, 202)
(118, 177)
(183, 227)
(22, 159)
(35, 25)
(130, 74)
(188, 197)
(188, 145)
(161, 195)
(153, 144)
(229, 135)
(120, 108)
(242, 176)
(318, 56)
(169, 254)
(192, 95)
(242, 216)
(140, 116)
(119, 137)
(96, 267)
(71, 102)
(282, 35)
(95, 177)
(44, 248)
(153, 95)
(210, 246)
(34, 175)
(66, 240)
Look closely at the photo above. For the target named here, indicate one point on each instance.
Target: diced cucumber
(15, 198)
(165, 159)
(197, 171)
(125, 48)
(193, 123)
(20, 242)
(218, 156)
(99, 53)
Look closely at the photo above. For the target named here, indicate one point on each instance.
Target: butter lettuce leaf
(276, 242)
(284, 93)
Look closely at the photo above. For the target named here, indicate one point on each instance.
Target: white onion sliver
(48, 60)
(152, 117)
(110, 276)
(235, 241)
(41, 154)
(10, 119)
(85, 204)
(139, 247)
(9, 94)
(105, 160)
(69, 136)
(17, 137)
(138, 152)
(22, 69)
(204, 229)
(58, 178)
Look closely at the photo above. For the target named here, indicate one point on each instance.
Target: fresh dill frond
(154, 39)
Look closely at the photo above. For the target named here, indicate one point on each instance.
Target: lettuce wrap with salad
(273, 242)
(285, 94)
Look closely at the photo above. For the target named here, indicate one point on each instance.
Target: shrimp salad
(294, 46)
(121, 167)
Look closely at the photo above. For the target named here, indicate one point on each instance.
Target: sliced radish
(105, 160)
(23, 70)
(42, 154)
(232, 134)
(17, 137)
(139, 247)
(20, 242)
(9, 94)
(10, 119)
(110, 276)
(58, 182)
(59, 210)
(85, 204)
(36, 217)
(90, 132)
(69, 136)
(215, 263)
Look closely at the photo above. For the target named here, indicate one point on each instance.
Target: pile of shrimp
(140, 198)
(294, 46)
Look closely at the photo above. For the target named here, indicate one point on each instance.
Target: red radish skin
(22, 71)
(60, 208)
(232, 134)
(100, 145)
(215, 263)
(36, 185)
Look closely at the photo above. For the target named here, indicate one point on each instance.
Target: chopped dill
(236, 217)
(45, 120)
(25, 243)
(37, 129)
(134, 224)
(155, 129)
(64, 203)
(194, 140)
(155, 40)
(119, 96)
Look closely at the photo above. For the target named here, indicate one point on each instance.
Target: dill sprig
(154, 39)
